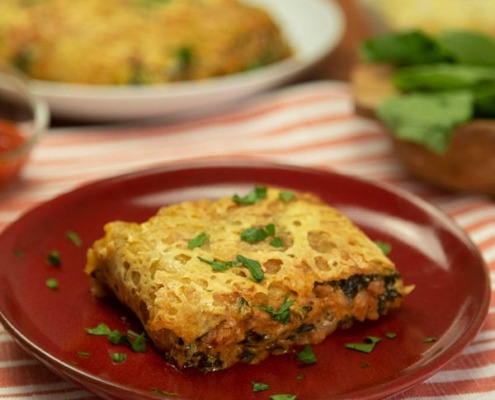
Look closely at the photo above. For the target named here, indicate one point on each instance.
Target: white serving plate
(312, 27)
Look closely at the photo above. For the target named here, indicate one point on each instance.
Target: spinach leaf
(468, 47)
(403, 48)
(427, 119)
(442, 77)
(484, 101)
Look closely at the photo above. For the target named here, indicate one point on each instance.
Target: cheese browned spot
(327, 274)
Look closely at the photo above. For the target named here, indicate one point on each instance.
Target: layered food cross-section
(216, 282)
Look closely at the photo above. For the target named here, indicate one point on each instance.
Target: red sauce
(10, 139)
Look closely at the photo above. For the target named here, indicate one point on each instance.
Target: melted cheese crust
(136, 41)
(180, 297)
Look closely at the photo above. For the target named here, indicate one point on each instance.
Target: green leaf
(386, 248)
(253, 266)
(118, 357)
(283, 397)
(74, 238)
(281, 315)
(277, 242)
(484, 101)
(426, 119)
(442, 77)
(217, 265)
(307, 356)
(53, 258)
(101, 329)
(254, 235)
(197, 241)
(469, 47)
(118, 338)
(138, 344)
(403, 48)
(286, 196)
(366, 347)
(52, 283)
(257, 194)
(259, 387)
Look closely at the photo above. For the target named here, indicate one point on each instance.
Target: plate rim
(88, 380)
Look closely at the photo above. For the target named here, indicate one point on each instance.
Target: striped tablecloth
(310, 124)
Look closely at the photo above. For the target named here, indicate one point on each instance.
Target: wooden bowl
(469, 163)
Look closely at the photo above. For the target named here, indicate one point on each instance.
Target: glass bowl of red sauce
(23, 120)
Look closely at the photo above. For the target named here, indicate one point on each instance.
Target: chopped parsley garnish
(365, 364)
(74, 238)
(253, 266)
(83, 354)
(52, 283)
(386, 248)
(197, 241)
(283, 397)
(391, 335)
(307, 356)
(136, 342)
(256, 235)
(257, 194)
(286, 196)
(281, 315)
(118, 357)
(217, 265)
(53, 258)
(277, 242)
(366, 347)
(259, 387)
(430, 339)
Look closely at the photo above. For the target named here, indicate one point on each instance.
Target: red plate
(449, 303)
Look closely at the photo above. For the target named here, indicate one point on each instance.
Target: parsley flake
(286, 196)
(430, 339)
(386, 248)
(136, 342)
(281, 315)
(218, 265)
(283, 397)
(83, 353)
(118, 357)
(253, 266)
(257, 194)
(277, 242)
(259, 387)
(53, 258)
(307, 356)
(197, 241)
(391, 335)
(52, 283)
(366, 347)
(74, 238)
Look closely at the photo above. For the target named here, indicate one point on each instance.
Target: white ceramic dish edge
(313, 27)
